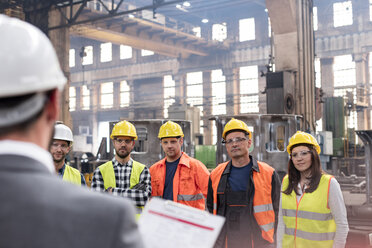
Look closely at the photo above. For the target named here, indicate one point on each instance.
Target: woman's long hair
(294, 175)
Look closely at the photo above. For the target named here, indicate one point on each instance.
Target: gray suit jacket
(40, 210)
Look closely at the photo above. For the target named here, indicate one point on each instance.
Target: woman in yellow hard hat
(312, 211)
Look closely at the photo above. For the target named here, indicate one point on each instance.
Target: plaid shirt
(122, 177)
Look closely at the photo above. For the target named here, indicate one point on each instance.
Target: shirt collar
(254, 165)
(28, 149)
(185, 160)
(116, 163)
(61, 171)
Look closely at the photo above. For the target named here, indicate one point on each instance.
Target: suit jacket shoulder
(40, 210)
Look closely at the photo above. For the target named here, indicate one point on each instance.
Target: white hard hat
(62, 132)
(29, 63)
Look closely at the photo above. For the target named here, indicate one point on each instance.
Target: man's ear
(52, 106)
(249, 142)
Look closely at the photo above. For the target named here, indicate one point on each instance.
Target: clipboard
(167, 224)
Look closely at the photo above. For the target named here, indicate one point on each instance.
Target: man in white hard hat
(60, 147)
(37, 208)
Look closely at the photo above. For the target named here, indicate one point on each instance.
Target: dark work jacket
(221, 203)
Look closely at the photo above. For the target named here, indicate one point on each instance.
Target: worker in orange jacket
(245, 191)
(178, 177)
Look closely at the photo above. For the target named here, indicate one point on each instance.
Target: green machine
(206, 154)
(335, 121)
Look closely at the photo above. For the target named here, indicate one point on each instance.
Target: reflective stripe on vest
(262, 202)
(190, 197)
(310, 235)
(306, 215)
(72, 175)
(308, 223)
(190, 181)
(108, 174)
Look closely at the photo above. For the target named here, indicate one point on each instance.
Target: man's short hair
(23, 126)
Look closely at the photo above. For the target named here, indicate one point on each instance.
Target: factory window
(85, 93)
(72, 100)
(342, 14)
(219, 32)
(84, 130)
(88, 58)
(218, 92)
(344, 71)
(269, 26)
(352, 120)
(315, 18)
(107, 95)
(349, 94)
(125, 52)
(124, 94)
(146, 52)
(247, 29)
(248, 76)
(106, 52)
(370, 75)
(169, 93)
(71, 58)
(318, 82)
(197, 31)
(194, 89)
(319, 125)
(214, 132)
(104, 133)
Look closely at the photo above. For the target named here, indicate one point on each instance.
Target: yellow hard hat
(235, 124)
(124, 128)
(302, 138)
(170, 129)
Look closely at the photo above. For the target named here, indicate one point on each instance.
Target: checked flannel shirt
(122, 177)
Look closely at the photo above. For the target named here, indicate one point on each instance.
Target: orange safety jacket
(263, 210)
(190, 182)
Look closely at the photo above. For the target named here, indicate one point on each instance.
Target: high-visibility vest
(190, 181)
(308, 223)
(72, 175)
(108, 174)
(263, 210)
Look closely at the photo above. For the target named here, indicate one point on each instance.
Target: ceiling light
(186, 4)
(204, 20)
(131, 16)
(178, 6)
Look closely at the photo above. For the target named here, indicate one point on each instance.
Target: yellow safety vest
(108, 174)
(72, 175)
(308, 223)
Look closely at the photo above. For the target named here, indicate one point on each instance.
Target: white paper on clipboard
(167, 224)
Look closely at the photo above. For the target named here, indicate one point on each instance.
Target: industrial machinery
(358, 199)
